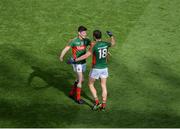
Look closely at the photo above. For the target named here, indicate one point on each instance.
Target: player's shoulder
(106, 43)
(93, 43)
(71, 42)
(73, 39)
(87, 39)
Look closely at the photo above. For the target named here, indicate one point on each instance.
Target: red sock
(96, 101)
(103, 105)
(78, 93)
(73, 90)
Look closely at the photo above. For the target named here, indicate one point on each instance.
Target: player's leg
(80, 68)
(83, 70)
(73, 89)
(103, 79)
(94, 93)
(92, 77)
(93, 89)
(104, 92)
(79, 86)
(74, 86)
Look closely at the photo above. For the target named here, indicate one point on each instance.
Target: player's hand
(61, 59)
(109, 33)
(71, 61)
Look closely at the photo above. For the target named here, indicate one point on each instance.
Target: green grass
(143, 87)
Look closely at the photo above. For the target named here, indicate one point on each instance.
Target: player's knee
(90, 85)
(82, 81)
(79, 85)
(103, 86)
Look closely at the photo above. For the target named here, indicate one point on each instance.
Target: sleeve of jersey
(93, 48)
(70, 43)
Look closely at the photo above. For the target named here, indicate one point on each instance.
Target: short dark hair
(81, 28)
(97, 34)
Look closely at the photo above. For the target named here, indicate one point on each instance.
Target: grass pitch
(143, 87)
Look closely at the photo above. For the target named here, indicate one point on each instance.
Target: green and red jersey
(79, 48)
(100, 52)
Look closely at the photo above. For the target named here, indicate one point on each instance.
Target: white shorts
(79, 67)
(99, 73)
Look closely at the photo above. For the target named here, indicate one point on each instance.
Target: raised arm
(112, 38)
(113, 41)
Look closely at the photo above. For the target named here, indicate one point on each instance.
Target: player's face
(83, 34)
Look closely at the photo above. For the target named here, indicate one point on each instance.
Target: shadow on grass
(54, 76)
(164, 72)
(58, 80)
(14, 114)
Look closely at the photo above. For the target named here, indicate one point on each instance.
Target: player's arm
(88, 53)
(63, 53)
(112, 38)
(65, 50)
(113, 41)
